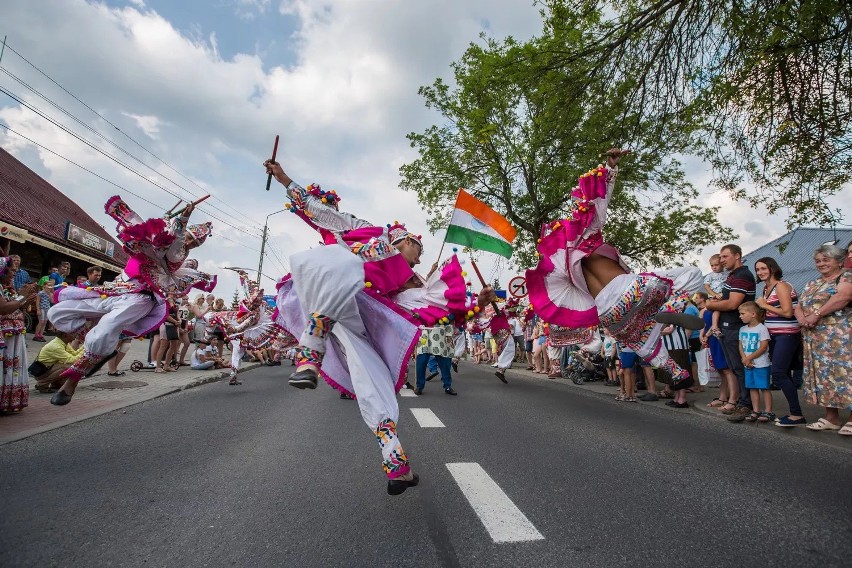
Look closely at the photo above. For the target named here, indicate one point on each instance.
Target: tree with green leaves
(763, 88)
(235, 301)
(517, 132)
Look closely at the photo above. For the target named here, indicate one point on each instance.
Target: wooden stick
(175, 206)
(482, 281)
(274, 153)
(194, 203)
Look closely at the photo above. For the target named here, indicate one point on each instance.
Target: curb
(196, 382)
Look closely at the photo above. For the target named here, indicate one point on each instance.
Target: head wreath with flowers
(398, 233)
(199, 233)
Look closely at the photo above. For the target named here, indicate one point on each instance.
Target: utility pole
(262, 248)
(263, 243)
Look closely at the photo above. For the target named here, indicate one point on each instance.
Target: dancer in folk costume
(582, 282)
(358, 305)
(134, 303)
(251, 327)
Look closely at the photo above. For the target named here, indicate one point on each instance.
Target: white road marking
(502, 519)
(427, 418)
(406, 392)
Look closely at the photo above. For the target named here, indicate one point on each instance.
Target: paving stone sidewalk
(698, 404)
(101, 393)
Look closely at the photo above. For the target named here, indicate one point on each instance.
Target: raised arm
(320, 214)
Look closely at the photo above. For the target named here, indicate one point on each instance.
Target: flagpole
(444, 242)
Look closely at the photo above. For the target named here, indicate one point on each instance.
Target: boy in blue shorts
(754, 351)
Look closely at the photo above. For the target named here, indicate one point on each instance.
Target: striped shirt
(777, 324)
(741, 281)
(676, 339)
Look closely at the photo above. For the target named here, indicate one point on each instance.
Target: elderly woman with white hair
(826, 319)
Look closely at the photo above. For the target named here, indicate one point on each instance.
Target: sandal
(665, 394)
(620, 397)
(752, 417)
(766, 417)
(823, 424)
(716, 403)
(725, 410)
(846, 429)
(117, 374)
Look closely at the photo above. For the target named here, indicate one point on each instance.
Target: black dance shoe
(304, 379)
(398, 486)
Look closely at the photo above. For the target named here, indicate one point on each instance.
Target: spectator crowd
(752, 342)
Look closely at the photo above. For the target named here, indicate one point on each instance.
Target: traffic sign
(518, 287)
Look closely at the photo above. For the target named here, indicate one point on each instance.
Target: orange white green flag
(474, 224)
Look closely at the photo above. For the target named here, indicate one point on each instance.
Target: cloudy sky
(205, 85)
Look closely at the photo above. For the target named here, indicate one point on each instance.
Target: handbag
(707, 373)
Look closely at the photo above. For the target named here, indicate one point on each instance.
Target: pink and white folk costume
(251, 327)
(134, 303)
(627, 305)
(356, 305)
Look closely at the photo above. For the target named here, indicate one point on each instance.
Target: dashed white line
(406, 392)
(502, 519)
(427, 418)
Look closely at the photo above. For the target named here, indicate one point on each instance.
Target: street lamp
(263, 243)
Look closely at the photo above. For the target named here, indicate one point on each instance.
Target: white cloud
(150, 125)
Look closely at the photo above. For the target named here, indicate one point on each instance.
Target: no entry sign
(518, 287)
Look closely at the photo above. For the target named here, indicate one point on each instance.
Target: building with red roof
(45, 227)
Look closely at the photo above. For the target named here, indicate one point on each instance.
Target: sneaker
(408, 386)
(455, 365)
(739, 414)
(502, 376)
(450, 391)
(418, 392)
(344, 396)
(649, 397)
(786, 422)
(431, 376)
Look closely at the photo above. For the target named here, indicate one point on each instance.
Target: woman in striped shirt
(785, 344)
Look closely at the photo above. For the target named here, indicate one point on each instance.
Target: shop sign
(13, 233)
(83, 237)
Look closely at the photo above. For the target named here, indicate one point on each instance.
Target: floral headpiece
(328, 197)
(199, 233)
(397, 232)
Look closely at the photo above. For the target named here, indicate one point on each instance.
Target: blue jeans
(433, 364)
(443, 363)
(785, 351)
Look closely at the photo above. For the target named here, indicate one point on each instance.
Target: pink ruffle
(152, 231)
(456, 293)
(387, 275)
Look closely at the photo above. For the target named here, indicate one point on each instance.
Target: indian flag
(474, 224)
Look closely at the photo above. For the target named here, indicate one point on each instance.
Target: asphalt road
(266, 475)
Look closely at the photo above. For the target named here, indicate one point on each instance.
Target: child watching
(715, 279)
(45, 300)
(754, 350)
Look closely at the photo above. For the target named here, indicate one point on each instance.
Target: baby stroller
(585, 368)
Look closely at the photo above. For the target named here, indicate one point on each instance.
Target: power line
(84, 168)
(99, 115)
(111, 157)
(110, 141)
